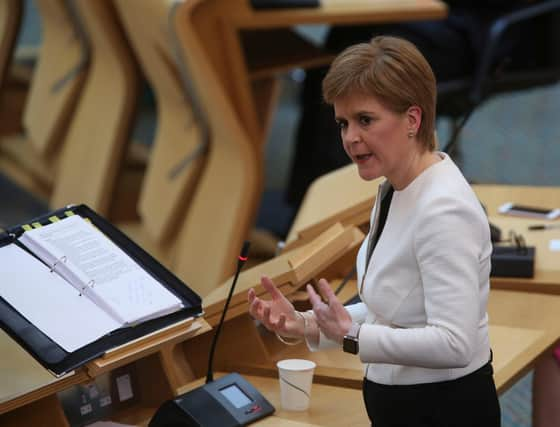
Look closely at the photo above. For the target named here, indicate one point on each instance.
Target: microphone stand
(229, 401)
(240, 262)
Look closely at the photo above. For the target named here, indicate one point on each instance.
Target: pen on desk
(543, 226)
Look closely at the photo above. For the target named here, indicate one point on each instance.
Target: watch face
(350, 345)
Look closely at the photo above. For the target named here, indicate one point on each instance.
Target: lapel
(381, 192)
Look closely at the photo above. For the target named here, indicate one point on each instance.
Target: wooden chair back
(95, 144)
(179, 148)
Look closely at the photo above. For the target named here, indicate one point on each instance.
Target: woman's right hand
(277, 314)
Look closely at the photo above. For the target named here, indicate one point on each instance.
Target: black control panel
(229, 401)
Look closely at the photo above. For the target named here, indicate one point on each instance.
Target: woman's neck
(416, 164)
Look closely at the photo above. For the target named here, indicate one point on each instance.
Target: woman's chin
(368, 174)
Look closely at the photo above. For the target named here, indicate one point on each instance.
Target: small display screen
(236, 396)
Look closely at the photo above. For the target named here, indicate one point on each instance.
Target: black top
(383, 212)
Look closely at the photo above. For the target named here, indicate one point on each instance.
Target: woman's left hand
(332, 317)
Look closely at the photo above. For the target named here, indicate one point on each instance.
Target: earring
(411, 133)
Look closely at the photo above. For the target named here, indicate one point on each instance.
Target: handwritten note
(102, 271)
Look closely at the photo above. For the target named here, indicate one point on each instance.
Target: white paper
(49, 302)
(136, 296)
(116, 281)
(554, 245)
(124, 387)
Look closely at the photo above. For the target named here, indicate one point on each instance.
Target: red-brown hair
(394, 72)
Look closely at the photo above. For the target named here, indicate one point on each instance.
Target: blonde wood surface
(492, 196)
(329, 405)
(289, 270)
(22, 163)
(342, 12)
(57, 78)
(138, 232)
(224, 206)
(176, 368)
(44, 412)
(147, 345)
(355, 198)
(239, 340)
(158, 362)
(336, 405)
(339, 196)
(165, 196)
(24, 379)
(10, 19)
(526, 311)
(547, 262)
(95, 144)
(523, 327)
(518, 347)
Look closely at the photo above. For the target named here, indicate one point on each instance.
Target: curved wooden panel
(94, 146)
(224, 205)
(177, 154)
(57, 79)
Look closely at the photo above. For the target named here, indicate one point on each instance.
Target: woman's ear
(414, 118)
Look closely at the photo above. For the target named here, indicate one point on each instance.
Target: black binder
(50, 354)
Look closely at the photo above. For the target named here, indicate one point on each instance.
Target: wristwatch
(351, 343)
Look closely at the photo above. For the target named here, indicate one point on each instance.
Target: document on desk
(100, 270)
(75, 285)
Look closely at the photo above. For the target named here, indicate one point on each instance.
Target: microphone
(243, 256)
(229, 401)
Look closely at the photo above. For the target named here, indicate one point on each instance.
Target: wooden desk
(329, 405)
(356, 199)
(161, 368)
(547, 262)
(523, 326)
(351, 206)
(24, 380)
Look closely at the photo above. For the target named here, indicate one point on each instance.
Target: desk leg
(177, 370)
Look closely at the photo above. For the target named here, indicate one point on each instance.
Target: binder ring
(62, 259)
(89, 284)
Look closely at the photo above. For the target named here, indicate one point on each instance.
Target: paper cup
(296, 376)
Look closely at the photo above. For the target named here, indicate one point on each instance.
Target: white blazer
(426, 287)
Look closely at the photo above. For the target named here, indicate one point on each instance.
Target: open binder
(96, 316)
